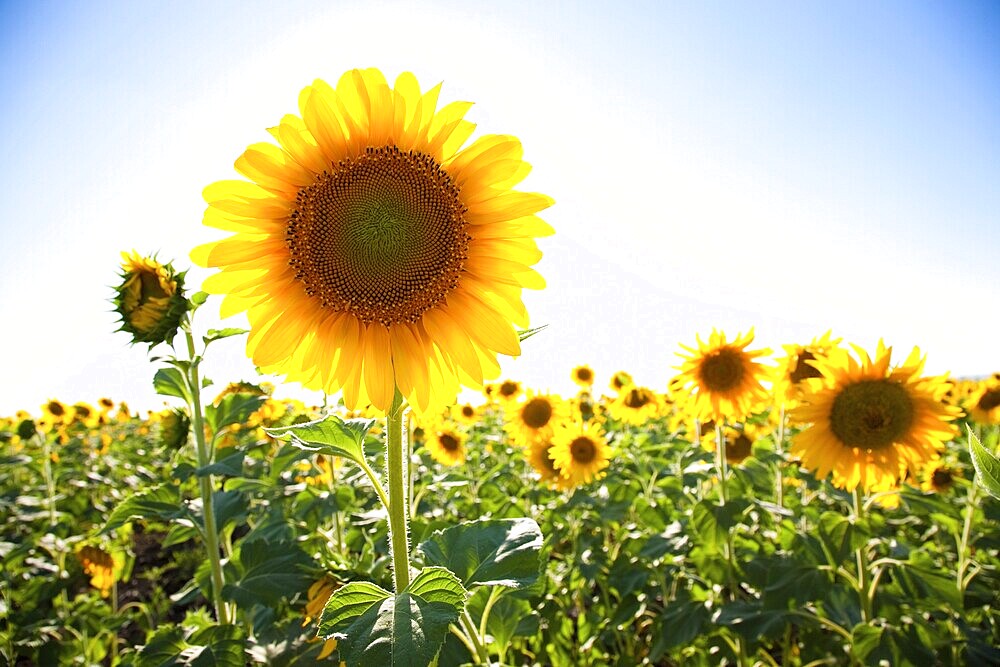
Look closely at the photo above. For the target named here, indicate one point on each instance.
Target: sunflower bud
(150, 299)
(174, 428)
(26, 428)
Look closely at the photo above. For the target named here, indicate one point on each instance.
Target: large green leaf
(172, 382)
(215, 645)
(232, 409)
(488, 552)
(375, 627)
(331, 436)
(987, 465)
(160, 502)
(268, 571)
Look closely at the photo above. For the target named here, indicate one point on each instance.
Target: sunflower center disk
(722, 371)
(382, 236)
(582, 450)
(804, 370)
(636, 398)
(449, 442)
(537, 413)
(989, 400)
(871, 414)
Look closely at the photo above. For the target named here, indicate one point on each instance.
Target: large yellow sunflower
(871, 424)
(724, 377)
(580, 453)
(369, 252)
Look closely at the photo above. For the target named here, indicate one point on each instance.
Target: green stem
(494, 596)
(399, 523)
(779, 448)
(205, 456)
(470, 628)
(720, 461)
(50, 484)
(866, 592)
(963, 544)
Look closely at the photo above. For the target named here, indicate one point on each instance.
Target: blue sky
(790, 166)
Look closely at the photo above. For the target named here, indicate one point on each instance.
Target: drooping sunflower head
(724, 378)
(371, 251)
(580, 453)
(868, 423)
(583, 376)
(446, 445)
(533, 419)
(150, 299)
(636, 405)
(798, 365)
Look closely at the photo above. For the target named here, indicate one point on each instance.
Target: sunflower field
(826, 505)
(607, 532)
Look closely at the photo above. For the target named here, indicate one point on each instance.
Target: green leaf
(488, 552)
(528, 333)
(160, 502)
(171, 382)
(331, 436)
(232, 409)
(268, 571)
(986, 463)
(199, 298)
(218, 334)
(375, 627)
(231, 466)
(712, 522)
(215, 645)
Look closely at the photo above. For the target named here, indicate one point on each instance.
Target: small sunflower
(533, 419)
(580, 453)
(318, 595)
(150, 299)
(372, 252)
(509, 390)
(446, 446)
(938, 478)
(56, 412)
(984, 403)
(870, 424)
(620, 380)
(636, 405)
(465, 414)
(797, 366)
(539, 456)
(583, 376)
(101, 567)
(739, 441)
(724, 377)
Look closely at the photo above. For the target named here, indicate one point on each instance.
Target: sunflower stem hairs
(370, 251)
